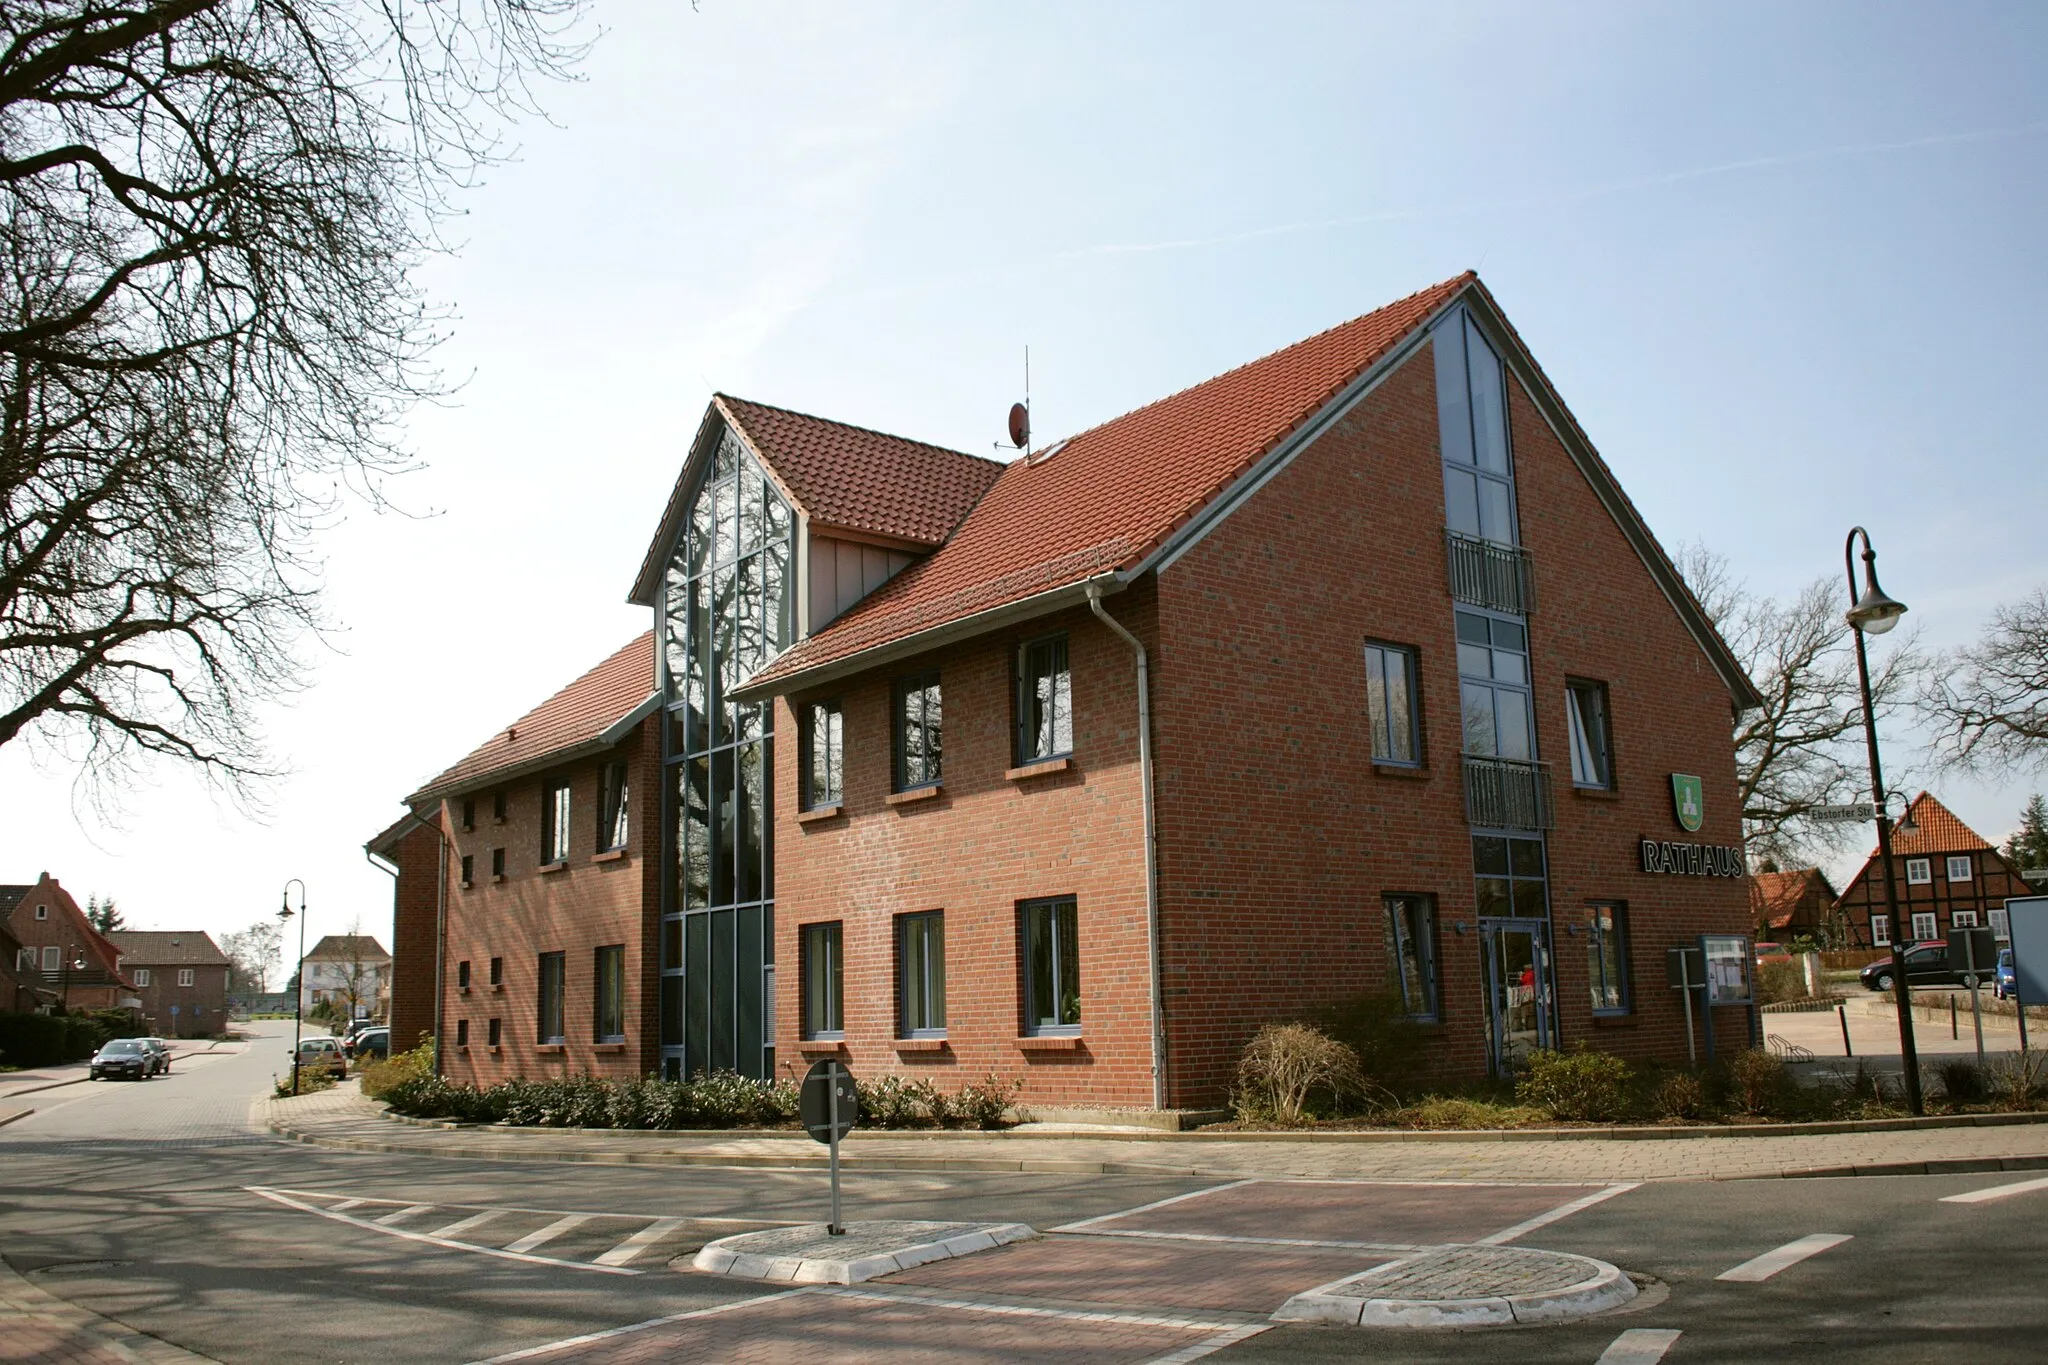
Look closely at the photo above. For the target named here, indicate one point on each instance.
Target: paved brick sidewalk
(342, 1119)
(38, 1328)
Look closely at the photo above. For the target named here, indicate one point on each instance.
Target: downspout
(1151, 843)
(440, 921)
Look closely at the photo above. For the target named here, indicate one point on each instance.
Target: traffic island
(810, 1254)
(1466, 1286)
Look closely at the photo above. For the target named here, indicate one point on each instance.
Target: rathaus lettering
(1692, 860)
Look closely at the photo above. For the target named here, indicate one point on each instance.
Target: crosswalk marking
(1639, 1346)
(1760, 1268)
(345, 1205)
(399, 1217)
(548, 1234)
(640, 1241)
(1996, 1192)
(461, 1225)
(506, 1253)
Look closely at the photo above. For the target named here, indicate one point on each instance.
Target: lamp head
(1875, 612)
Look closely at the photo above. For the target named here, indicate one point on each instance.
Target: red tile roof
(860, 480)
(1939, 831)
(576, 715)
(1105, 499)
(1776, 897)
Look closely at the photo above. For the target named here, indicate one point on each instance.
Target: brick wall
(984, 844)
(415, 912)
(1278, 835)
(202, 1006)
(598, 899)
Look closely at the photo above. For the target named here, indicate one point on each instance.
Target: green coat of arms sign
(1688, 802)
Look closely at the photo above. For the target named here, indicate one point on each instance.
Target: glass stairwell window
(1487, 569)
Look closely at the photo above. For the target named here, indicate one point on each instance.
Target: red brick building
(180, 979)
(74, 961)
(1351, 671)
(1947, 877)
(527, 885)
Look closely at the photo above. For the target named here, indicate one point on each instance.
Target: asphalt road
(160, 1206)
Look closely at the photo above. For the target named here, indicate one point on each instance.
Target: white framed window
(184, 976)
(1999, 924)
(42, 912)
(53, 958)
(1923, 925)
(141, 977)
(1963, 919)
(1959, 869)
(1919, 871)
(1880, 931)
(25, 960)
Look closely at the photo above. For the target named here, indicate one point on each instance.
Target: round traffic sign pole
(829, 1106)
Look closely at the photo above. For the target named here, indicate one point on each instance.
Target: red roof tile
(1103, 500)
(1775, 897)
(1939, 831)
(577, 714)
(861, 480)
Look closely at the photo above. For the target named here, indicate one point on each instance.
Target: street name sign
(1861, 812)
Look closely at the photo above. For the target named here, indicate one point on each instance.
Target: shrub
(312, 1080)
(1961, 1081)
(987, 1105)
(1453, 1111)
(1758, 1083)
(1779, 981)
(1578, 1087)
(379, 1077)
(1678, 1095)
(2019, 1079)
(892, 1102)
(1284, 1064)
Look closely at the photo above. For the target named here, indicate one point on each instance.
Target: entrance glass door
(1519, 990)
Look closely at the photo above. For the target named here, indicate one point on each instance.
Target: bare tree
(1988, 704)
(1804, 746)
(211, 214)
(254, 952)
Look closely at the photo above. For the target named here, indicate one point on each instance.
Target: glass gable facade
(727, 609)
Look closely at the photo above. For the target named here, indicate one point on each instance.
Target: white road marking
(549, 1233)
(1147, 1208)
(1247, 1241)
(640, 1241)
(551, 1347)
(399, 1217)
(1638, 1346)
(1211, 1345)
(475, 1220)
(280, 1197)
(976, 1303)
(1762, 1267)
(1996, 1192)
(1506, 1235)
(345, 1205)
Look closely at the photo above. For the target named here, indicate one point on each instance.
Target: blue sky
(1782, 260)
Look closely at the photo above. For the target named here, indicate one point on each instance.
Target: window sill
(822, 1047)
(550, 1049)
(1596, 793)
(498, 819)
(1043, 767)
(817, 813)
(497, 988)
(495, 1050)
(915, 794)
(1059, 1042)
(919, 1045)
(497, 877)
(610, 855)
(462, 1048)
(609, 1049)
(560, 866)
(462, 990)
(1399, 770)
(467, 885)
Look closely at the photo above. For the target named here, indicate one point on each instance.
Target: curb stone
(11, 1115)
(730, 1256)
(23, 1304)
(1350, 1302)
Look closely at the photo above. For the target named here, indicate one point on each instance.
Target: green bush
(1577, 1087)
(1678, 1095)
(312, 1080)
(1461, 1111)
(985, 1105)
(379, 1077)
(892, 1102)
(1780, 981)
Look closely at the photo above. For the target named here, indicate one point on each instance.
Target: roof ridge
(723, 397)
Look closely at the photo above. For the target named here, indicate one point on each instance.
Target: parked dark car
(2002, 975)
(122, 1059)
(371, 1042)
(1927, 964)
(159, 1054)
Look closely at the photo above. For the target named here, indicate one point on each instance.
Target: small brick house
(180, 979)
(1947, 876)
(1349, 672)
(77, 966)
(1795, 904)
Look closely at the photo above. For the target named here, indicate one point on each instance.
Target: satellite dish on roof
(1020, 425)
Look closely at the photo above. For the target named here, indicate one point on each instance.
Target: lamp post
(284, 914)
(73, 961)
(1871, 612)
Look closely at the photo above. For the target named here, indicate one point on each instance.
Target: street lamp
(1872, 612)
(284, 915)
(73, 961)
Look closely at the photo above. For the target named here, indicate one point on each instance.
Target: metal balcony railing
(1506, 793)
(1486, 573)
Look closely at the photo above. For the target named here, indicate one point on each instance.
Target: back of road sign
(818, 1106)
(2026, 919)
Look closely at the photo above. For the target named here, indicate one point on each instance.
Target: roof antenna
(1020, 413)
